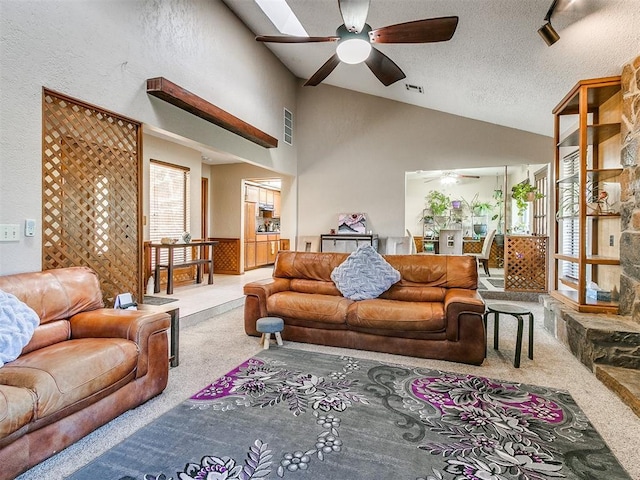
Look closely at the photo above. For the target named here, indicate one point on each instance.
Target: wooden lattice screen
(91, 181)
(525, 263)
(226, 256)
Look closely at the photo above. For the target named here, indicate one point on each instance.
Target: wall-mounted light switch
(29, 227)
(9, 233)
(611, 240)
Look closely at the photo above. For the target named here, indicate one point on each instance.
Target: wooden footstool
(267, 326)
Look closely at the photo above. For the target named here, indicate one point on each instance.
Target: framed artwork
(350, 223)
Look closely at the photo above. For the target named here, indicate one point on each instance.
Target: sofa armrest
(135, 325)
(458, 304)
(255, 305)
(263, 289)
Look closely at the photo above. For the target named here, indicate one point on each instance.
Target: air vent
(414, 88)
(288, 127)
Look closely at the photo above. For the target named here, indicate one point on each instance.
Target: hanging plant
(523, 193)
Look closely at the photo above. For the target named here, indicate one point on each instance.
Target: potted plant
(436, 204)
(523, 193)
(479, 210)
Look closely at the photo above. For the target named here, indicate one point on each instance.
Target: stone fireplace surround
(609, 345)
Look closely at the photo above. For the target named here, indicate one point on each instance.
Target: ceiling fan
(355, 37)
(451, 177)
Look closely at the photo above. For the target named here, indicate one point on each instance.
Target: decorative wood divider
(91, 200)
(526, 263)
(226, 256)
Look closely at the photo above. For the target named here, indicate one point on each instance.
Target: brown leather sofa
(84, 366)
(434, 311)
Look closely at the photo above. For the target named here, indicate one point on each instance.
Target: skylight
(282, 17)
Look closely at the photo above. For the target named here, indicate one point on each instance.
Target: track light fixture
(547, 32)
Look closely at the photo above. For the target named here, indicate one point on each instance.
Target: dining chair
(483, 256)
(412, 243)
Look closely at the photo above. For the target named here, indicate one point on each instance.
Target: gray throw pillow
(365, 274)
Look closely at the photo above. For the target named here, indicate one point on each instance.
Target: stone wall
(630, 156)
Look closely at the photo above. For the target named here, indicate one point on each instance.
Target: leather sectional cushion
(398, 316)
(315, 307)
(68, 372)
(16, 409)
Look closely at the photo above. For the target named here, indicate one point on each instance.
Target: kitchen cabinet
(266, 248)
(276, 204)
(251, 193)
(262, 197)
(270, 198)
(250, 222)
(262, 253)
(587, 193)
(273, 247)
(249, 255)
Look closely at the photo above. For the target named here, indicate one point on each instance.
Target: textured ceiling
(496, 68)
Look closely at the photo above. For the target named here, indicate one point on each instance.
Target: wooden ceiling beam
(176, 95)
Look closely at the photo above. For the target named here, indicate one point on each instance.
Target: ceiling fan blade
(419, 31)
(354, 13)
(323, 72)
(383, 67)
(292, 39)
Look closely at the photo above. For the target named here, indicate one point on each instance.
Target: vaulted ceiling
(496, 68)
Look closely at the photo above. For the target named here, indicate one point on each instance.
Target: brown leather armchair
(84, 366)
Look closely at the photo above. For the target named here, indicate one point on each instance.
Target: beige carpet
(213, 347)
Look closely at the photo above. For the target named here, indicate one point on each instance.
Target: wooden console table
(201, 259)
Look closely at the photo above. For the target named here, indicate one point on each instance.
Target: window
(169, 206)
(540, 204)
(568, 210)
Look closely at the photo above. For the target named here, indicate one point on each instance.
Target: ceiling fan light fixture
(548, 34)
(353, 50)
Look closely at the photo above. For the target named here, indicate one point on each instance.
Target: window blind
(570, 207)
(169, 208)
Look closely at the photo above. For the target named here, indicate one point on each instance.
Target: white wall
(228, 199)
(102, 52)
(354, 150)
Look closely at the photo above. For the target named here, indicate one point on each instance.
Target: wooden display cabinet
(587, 196)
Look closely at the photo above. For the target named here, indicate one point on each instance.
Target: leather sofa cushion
(48, 334)
(16, 409)
(316, 307)
(65, 373)
(397, 316)
(56, 294)
(314, 286)
(408, 292)
(447, 271)
(307, 265)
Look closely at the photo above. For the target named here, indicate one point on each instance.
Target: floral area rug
(299, 415)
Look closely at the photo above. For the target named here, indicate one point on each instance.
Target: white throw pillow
(365, 274)
(17, 324)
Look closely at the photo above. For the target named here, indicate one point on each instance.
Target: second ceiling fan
(355, 38)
